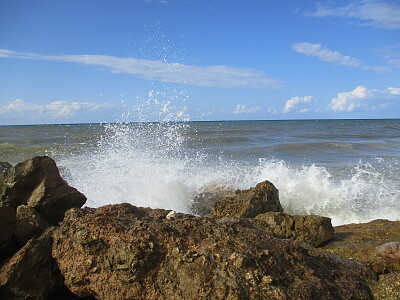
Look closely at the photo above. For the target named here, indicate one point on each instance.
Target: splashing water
(152, 164)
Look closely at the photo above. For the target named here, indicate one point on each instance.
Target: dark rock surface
(249, 203)
(31, 273)
(29, 223)
(363, 242)
(37, 183)
(4, 166)
(313, 230)
(8, 243)
(126, 252)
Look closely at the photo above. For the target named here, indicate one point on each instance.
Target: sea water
(348, 170)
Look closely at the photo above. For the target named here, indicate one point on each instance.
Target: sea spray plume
(365, 194)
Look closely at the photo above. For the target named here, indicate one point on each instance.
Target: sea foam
(151, 165)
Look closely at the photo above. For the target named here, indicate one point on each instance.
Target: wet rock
(37, 183)
(136, 253)
(8, 243)
(367, 242)
(29, 223)
(249, 203)
(388, 287)
(313, 230)
(31, 273)
(203, 203)
(5, 166)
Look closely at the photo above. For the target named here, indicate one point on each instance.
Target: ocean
(348, 170)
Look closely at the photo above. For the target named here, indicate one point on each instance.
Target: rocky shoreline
(242, 246)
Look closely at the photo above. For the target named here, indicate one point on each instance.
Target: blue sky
(128, 60)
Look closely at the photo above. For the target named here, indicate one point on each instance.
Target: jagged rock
(8, 243)
(5, 166)
(249, 203)
(31, 273)
(203, 203)
(125, 252)
(388, 287)
(364, 242)
(29, 223)
(37, 182)
(313, 230)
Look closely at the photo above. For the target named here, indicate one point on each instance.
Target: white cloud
(335, 57)
(59, 111)
(326, 55)
(377, 13)
(394, 91)
(395, 62)
(210, 76)
(349, 101)
(293, 102)
(242, 109)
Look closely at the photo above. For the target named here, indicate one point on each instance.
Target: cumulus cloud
(349, 101)
(60, 111)
(243, 109)
(210, 76)
(293, 102)
(326, 55)
(377, 13)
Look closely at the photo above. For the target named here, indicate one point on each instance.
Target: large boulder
(388, 287)
(37, 183)
(249, 203)
(376, 243)
(125, 252)
(313, 230)
(31, 273)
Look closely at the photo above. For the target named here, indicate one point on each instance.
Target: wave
(151, 165)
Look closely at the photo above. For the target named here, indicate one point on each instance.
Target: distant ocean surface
(348, 170)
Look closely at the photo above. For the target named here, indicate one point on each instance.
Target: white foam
(149, 165)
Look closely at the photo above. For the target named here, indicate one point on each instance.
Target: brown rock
(313, 230)
(37, 183)
(29, 223)
(365, 242)
(389, 250)
(388, 287)
(249, 203)
(126, 252)
(31, 273)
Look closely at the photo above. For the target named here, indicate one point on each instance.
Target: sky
(151, 60)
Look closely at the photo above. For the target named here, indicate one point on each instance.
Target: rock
(388, 287)
(171, 215)
(37, 183)
(29, 223)
(367, 242)
(31, 273)
(8, 243)
(389, 250)
(5, 166)
(249, 203)
(313, 230)
(203, 203)
(125, 252)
